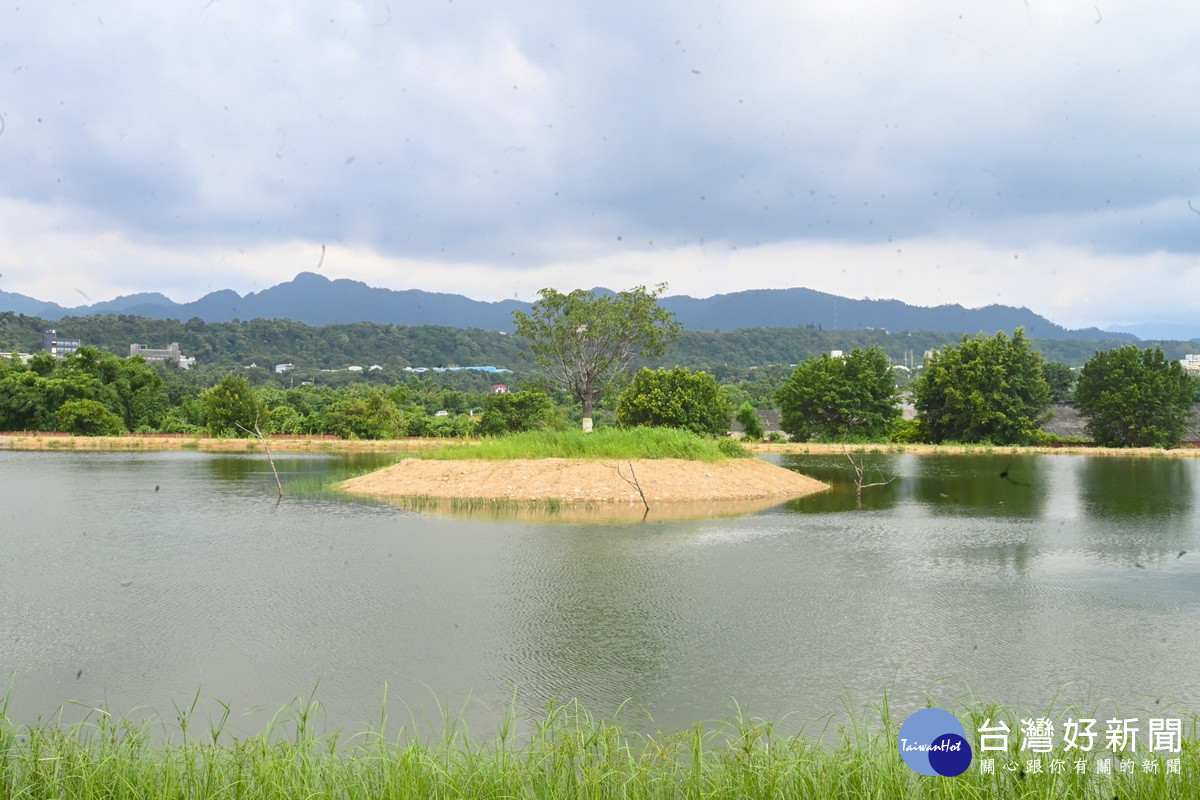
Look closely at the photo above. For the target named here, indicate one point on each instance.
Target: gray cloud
(534, 132)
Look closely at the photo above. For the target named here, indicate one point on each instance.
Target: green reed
(564, 752)
(618, 443)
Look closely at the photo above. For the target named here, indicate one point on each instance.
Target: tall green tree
(840, 397)
(232, 408)
(675, 398)
(987, 389)
(42, 363)
(25, 405)
(1135, 398)
(1061, 380)
(747, 417)
(583, 341)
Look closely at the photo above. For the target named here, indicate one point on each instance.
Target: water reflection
(1008, 485)
(574, 512)
(241, 467)
(1143, 508)
(839, 472)
(987, 484)
(1137, 487)
(209, 583)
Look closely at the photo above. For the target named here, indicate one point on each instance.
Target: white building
(153, 355)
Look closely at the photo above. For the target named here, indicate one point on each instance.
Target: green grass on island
(621, 443)
(563, 753)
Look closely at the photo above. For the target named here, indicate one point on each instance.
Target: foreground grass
(568, 754)
(617, 443)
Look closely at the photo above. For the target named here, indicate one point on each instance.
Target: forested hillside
(270, 342)
(317, 300)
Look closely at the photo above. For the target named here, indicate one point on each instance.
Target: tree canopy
(31, 395)
(1135, 398)
(232, 408)
(88, 418)
(675, 398)
(365, 412)
(584, 341)
(840, 397)
(747, 417)
(987, 389)
(520, 411)
(1061, 380)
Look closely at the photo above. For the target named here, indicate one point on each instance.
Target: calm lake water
(136, 579)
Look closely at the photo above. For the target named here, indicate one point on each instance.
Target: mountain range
(317, 300)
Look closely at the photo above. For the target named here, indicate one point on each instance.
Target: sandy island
(600, 481)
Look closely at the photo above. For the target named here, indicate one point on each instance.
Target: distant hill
(316, 300)
(1160, 331)
(23, 304)
(787, 308)
(218, 346)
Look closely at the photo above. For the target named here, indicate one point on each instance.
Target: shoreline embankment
(50, 441)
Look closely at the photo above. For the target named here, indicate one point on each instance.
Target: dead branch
(635, 483)
(859, 477)
(266, 448)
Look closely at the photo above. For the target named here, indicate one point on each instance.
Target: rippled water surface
(136, 579)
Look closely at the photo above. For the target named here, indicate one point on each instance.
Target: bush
(732, 449)
(365, 413)
(907, 431)
(459, 425)
(675, 398)
(285, 419)
(89, 418)
(176, 422)
(519, 411)
(747, 417)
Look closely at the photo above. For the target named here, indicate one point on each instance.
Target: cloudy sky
(1026, 152)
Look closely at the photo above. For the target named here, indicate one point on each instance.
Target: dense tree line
(993, 389)
(88, 391)
(990, 390)
(233, 407)
(93, 392)
(268, 342)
